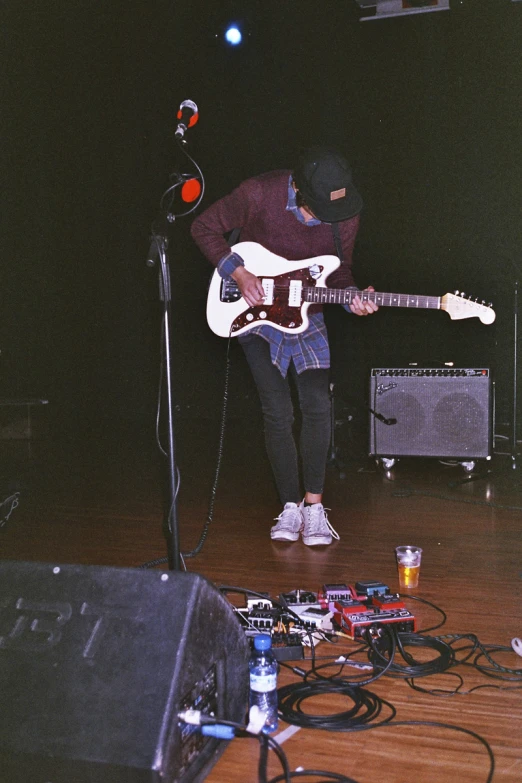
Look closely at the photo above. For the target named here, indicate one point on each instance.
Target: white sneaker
(317, 530)
(289, 523)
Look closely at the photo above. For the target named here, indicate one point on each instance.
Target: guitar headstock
(459, 306)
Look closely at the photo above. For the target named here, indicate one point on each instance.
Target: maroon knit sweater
(258, 208)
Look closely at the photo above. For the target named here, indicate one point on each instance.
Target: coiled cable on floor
(366, 707)
(494, 669)
(379, 653)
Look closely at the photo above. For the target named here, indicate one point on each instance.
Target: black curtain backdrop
(427, 108)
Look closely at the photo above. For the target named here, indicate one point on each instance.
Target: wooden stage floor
(99, 499)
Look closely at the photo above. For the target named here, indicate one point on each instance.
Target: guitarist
(310, 211)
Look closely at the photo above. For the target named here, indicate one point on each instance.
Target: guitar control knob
(262, 314)
(250, 317)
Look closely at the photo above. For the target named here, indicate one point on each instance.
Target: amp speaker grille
(437, 413)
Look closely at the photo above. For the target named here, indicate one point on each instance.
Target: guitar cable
(210, 513)
(224, 409)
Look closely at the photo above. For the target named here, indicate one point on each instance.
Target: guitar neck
(347, 295)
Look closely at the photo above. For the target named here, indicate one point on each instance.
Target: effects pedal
(330, 593)
(287, 646)
(370, 587)
(298, 598)
(355, 624)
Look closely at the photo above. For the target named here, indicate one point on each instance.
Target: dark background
(427, 108)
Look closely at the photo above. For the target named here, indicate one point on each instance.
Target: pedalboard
(301, 616)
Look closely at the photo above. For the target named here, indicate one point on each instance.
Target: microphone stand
(333, 454)
(158, 252)
(165, 296)
(514, 398)
(515, 367)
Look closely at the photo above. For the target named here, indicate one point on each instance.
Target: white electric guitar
(292, 286)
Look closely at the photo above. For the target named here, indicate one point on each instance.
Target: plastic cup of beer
(408, 565)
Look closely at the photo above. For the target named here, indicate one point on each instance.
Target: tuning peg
(456, 293)
(462, 293)
(490, 304)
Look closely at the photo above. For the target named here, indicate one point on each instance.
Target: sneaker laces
(317, 519)
(287, 517)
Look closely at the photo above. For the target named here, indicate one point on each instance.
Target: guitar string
(325, 295)
(350, 294)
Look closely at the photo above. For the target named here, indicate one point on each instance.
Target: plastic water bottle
(263, 680)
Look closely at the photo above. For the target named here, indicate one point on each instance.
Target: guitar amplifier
(431, 412)
(95, 665)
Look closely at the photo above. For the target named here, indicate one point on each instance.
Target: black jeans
(278, 415)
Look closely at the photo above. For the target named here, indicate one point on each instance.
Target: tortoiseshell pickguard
(280, 312)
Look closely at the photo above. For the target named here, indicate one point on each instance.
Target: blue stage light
(233, 36)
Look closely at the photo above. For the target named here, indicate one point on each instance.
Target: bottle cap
(262, 641)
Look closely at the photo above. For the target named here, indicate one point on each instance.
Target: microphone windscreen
(190, 190)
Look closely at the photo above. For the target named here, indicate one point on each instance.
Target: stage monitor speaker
(95, 665)
(431, 413)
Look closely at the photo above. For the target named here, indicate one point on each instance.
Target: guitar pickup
(294, 293)
(268, 288)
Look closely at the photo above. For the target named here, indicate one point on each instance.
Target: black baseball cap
(324, 179)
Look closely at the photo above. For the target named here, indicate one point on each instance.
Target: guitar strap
(234, 236)
(337, 240)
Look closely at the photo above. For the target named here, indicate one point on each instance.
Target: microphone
(383, 418)
(158, 242)
(154, 251)
(187, 116)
